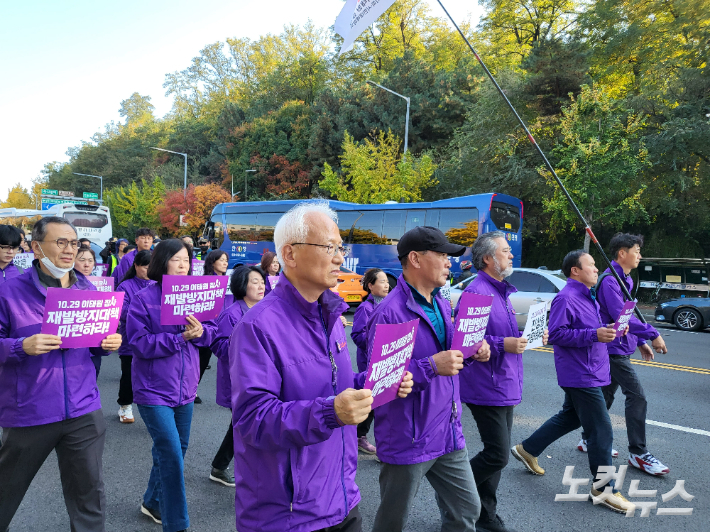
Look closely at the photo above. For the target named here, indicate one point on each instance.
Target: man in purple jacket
(492, 389)
(294, 409)
(421, 435)
(626, 250)
(144, 240)
(48, 395)
(579, 335)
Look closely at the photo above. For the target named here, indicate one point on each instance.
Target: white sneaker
(648, 464)
(582, 446)
(125, 414)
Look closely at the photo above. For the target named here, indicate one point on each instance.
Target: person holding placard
(492, 389)
(10, 239)
(165, 371)
(48, 395)
(421, 435)
(294, 400)
(377, 286)
(144, 241)
(579, 336)
(626, 250)
(247, 286)
(134, 281)
(84, 264)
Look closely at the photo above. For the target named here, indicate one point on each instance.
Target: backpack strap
(600, 279)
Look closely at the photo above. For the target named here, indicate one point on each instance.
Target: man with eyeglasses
(295, 406)
(48, 395)
(10, 239)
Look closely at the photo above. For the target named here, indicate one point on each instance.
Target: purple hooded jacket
(611, 301)
(580, 359)
(499, 381)
(36, 390)
(359, 331)
(130, 287)
(225, 324)
(427, 423)
(166, 368)
(126, 262)
(294, 465)
(10, 272)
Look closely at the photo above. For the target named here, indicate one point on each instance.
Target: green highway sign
(91, 195)
(50, 191)
(61, 201)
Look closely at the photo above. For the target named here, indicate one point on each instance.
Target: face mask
(54, 271)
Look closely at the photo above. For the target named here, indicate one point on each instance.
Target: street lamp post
(184, 188)
(102, 183)
(245, 182)
(406, 120)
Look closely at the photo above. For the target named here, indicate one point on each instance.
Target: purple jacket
(10, 272)
(359, 331)
(580, 359)
(130, 287)
(427, 423)
(225, 324)
(166, 368)
(499, 381)
(126, 262)
(611, 301)
(36, 390)
(294, 465)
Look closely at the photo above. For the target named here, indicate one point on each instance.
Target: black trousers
(79, 443)
(205, 355)
(495, 424)
(125, 385)
(364, 427)
(351, 523)
(226, 451)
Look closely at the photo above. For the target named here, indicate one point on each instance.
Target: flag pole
(587, 228)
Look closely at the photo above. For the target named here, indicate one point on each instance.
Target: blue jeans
(170, 429)
(583, 407)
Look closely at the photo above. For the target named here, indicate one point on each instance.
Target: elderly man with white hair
(294, 399)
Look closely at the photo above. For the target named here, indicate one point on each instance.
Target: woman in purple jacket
(165, 371)
(376, 284)
(247, 285)
(136, 279)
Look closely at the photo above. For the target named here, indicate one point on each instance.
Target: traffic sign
(65, 193)
(50, 191)
(91, 195)
(49, 202)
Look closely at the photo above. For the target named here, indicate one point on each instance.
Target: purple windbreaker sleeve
(259, 415)
(560, 330)
(144, 342)
(225, 326)
(10, 348)
(614, 300)
(359, 334)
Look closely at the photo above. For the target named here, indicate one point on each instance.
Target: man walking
(578, 335)
(421, 435)
(144, 241)
(626, 250)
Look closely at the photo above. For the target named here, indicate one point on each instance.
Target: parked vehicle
(686, 313)
(534, 286)
(350, 286)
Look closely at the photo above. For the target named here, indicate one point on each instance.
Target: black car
(687, 313)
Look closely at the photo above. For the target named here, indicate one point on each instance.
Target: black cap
(426, 238)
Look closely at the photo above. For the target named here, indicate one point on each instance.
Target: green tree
(137, 109)
(375, 172)
(135, 206)
(19, 198)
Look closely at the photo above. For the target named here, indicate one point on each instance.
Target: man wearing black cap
(421, 434)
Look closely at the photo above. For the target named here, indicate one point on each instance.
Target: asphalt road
(677, 396)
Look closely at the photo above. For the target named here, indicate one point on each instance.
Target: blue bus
(245, 230)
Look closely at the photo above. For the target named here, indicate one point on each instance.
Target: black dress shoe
(495, 525)
(198, 401)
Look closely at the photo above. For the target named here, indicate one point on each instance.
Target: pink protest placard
(198, 267)
(102, 284)
(391, 353)
(186, 295)
(471, 323)
(81, 318)
(273, 281)
(100, 270)
(622, 322)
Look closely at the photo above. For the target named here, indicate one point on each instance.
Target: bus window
(393, 225)
(265, 224)
(432, 217)
(459, 225)
(241, 227)
(218, 230)
(414, 219)
(368, 228)
(505, 216)
(90, 220)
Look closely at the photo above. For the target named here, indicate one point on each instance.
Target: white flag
(357, 15)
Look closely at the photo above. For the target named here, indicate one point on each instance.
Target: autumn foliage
(196, 206)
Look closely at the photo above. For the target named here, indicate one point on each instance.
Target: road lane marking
(678, 427)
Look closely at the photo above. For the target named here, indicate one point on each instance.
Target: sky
(67, 65)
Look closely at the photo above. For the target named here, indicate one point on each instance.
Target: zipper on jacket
(454, 411)
(66, 385)
(182, 372)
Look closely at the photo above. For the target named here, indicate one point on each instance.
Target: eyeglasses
(330, 249)
(11, 249)
(62, 243)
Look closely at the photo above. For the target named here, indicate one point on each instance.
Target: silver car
(534, 286)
